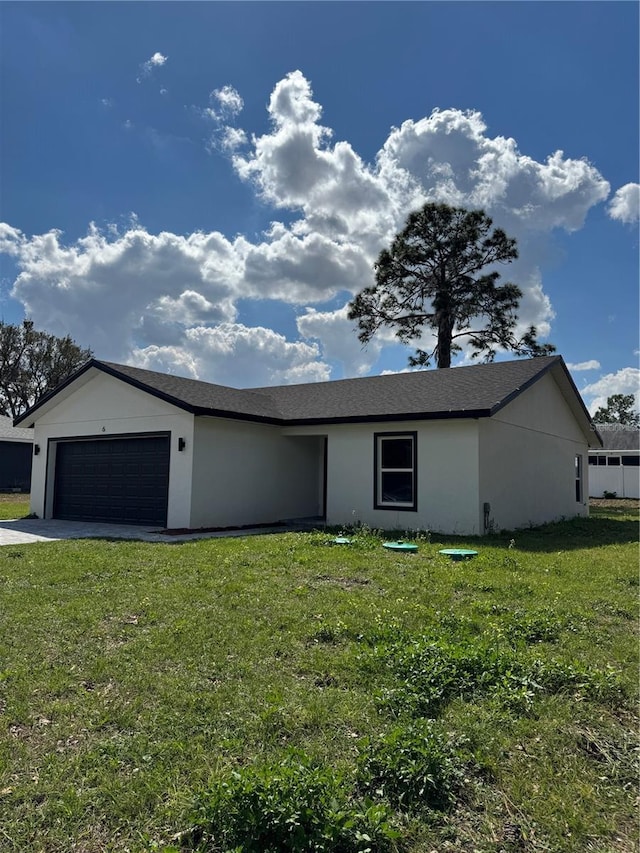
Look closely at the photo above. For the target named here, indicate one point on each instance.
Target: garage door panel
(124, 480)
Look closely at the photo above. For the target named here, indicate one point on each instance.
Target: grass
(277, 693)
(13, 505)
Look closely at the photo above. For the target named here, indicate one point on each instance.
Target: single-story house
(463, 450)
(16, 450)
(615, 468)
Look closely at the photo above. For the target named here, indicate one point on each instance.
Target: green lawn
(278, 692)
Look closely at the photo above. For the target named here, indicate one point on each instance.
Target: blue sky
(202, 187)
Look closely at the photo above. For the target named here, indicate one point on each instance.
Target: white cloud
(339, 340)
(231, 138)
(293, 167)
(225, 104)
(237, 355)
(625, 381)
(584, 365)
(301, 268)
(625, 204)
(129, 291)
(146, 68)
(229, 100)
(103, 291)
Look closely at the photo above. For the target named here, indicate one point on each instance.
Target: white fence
(624, 480)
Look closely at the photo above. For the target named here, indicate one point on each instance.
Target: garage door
(118, 480)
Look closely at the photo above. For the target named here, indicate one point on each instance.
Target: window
(631, 460)
(395, 470)
(613, 460)
(578, 466)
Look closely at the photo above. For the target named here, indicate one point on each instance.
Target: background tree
(32, 363)
(620, 409)
(435, 275)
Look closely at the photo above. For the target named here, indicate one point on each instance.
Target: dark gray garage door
(118, 480)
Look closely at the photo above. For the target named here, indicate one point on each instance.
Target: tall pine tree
(439, 273)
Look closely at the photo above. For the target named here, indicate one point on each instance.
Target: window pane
(397, 487)
(614, 460)
(396, 453)
(578, 466)
(593, 460)
(631, 460)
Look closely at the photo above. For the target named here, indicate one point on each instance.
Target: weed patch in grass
(292, 805)
(423, 674)
(414, 767)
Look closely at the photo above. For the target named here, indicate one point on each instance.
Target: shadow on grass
(579, 533)
(602, 527)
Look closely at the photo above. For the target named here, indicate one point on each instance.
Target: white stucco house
(615, 468)
(464, 450)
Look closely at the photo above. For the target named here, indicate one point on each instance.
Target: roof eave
(390, 417)
(104, 368)
(28, 414)
(148, 389)
(525, 385)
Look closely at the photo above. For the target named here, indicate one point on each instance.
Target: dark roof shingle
(459, 391)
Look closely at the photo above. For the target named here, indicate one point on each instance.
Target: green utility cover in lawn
(400, 546)
(458, 554)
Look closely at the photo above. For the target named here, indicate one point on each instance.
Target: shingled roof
(619, 437)
(476, 391)
(461, 392)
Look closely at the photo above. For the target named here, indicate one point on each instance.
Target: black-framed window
(395, 470)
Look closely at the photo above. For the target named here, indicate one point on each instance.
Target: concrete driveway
(26, 530)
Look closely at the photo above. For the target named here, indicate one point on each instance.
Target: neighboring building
(16, 451)
(462, 450)
(615, 468)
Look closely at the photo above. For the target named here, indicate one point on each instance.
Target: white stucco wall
(249, 473)
(104, 406)
(527, 460)
(447, 476)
